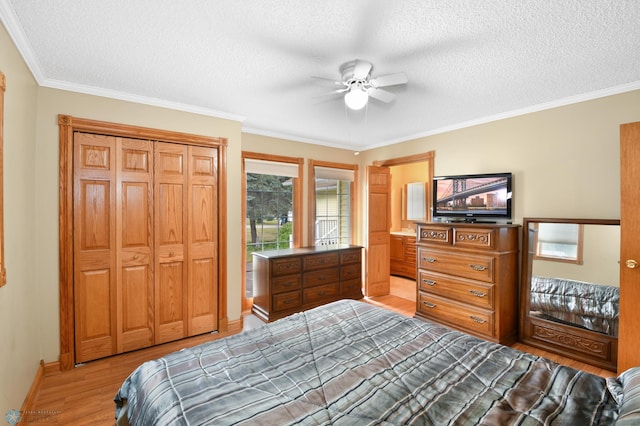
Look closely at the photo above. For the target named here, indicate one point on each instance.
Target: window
(332, 198)
(561, 242)
(272, 218)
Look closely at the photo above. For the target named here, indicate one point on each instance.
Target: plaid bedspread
(350, 363)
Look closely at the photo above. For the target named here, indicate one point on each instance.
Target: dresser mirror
(570, 288)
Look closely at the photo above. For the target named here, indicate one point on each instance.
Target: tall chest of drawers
(468, 278)
(293, 280)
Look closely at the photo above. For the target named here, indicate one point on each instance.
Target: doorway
(395, 201)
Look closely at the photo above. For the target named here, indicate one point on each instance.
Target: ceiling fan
(358, 84)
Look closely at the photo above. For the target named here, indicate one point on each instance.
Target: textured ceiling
(467, 61)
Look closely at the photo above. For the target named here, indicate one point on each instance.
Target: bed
(587, 305)
(352, 363)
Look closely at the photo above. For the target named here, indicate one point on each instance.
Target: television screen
(473, 197)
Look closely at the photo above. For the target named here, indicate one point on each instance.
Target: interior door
(379, 226)
(629, 332)
(94, 246)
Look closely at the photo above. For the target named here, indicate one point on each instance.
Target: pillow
(629, 413)
(615, 389)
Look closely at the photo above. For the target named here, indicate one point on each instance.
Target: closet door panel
(170, 213)
(202, 238)
(170, 310)
(94, 284)
(135, 244)
(95, 336)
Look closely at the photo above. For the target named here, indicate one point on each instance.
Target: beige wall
(565, 160)
(19, 302)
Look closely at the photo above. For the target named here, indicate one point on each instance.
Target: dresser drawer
(434, 234)
(466, 317)
(285, 283)
(348, 272)
(320, 261)
(481, 238)
(323, 276)
(472, 266)
(351, 288)
(472, 293)
(288, 300)
(350, 256)
(321, 293)
(286, 266)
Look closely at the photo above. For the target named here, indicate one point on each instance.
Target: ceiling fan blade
(389, 80)
(381, 95)
(361, 69)
(332, 93)
(328, 80)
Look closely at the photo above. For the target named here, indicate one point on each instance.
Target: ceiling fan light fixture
(356, 98)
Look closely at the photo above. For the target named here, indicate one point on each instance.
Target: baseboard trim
(235, 326)
(51, 368)
(30, 399)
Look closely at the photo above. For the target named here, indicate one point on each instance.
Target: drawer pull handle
(288, 301)
(135, 257)
(477, 319)
(429, 282)
(171, 254)
(478, 267)
(429, 304)
(478, 293)
(429, 259)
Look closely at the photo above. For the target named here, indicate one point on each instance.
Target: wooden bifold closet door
(145, 243)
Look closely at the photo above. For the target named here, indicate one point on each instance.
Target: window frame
(297, 209)
(578, 259)
(312, 197)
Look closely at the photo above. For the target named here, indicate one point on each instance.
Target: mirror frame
(572, 342)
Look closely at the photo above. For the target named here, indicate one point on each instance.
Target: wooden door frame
(426, 157)
(67, 125)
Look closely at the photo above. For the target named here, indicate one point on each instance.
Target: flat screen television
(479, 197)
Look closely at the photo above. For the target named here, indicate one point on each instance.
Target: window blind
(273, 168)
(333, 173)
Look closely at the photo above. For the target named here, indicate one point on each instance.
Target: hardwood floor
(84, 395)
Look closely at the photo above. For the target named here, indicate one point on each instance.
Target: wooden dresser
(403, 255)
(468, 278)
(293, 280)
